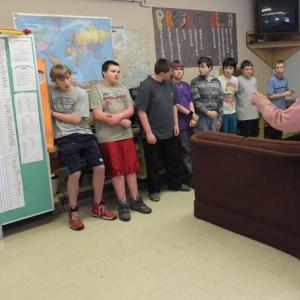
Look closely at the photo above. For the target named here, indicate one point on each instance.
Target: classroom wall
(293, 70)
(132, 15)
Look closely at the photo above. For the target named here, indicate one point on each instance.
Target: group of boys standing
(112, 106)
(170, 111)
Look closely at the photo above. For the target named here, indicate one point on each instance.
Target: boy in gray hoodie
(207, 97)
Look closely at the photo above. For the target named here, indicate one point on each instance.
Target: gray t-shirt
(245, 110)
(74, 102)
(110, 99)
(157, 99)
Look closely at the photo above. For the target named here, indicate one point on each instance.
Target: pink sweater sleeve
(285, 120)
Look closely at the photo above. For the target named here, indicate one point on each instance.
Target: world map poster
(81, 43)
(188, 34)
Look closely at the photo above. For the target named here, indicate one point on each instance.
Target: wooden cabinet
(273, 46)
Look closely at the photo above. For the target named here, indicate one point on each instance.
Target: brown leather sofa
(250, 186)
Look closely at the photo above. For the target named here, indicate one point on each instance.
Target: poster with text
(188, 34)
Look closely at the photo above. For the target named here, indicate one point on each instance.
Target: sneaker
(75, 221)
(123, 210)
(191, 183)
(139, 205)
(183, 188)
(154, 197)
(100, 211)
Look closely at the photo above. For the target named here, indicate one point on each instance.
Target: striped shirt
(207, 95)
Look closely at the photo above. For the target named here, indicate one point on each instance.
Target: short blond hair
(59, 71)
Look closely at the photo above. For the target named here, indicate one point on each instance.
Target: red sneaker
(100, 211)
(75, 221)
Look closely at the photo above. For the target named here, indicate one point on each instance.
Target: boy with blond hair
(74, 138)
(277, 92)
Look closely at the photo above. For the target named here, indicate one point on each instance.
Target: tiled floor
(166, 255)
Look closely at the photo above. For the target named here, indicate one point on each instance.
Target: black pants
(249, 127)
(167, 152)
(185, 153)
(272, 133)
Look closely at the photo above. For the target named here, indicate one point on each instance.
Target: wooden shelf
(278, 44)
(273, 46)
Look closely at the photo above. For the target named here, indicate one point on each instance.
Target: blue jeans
(229, 123)
(205, 123)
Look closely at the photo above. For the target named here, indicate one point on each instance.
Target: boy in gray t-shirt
(248, 115)
(74, 138)
(156, 104)
(112, 107)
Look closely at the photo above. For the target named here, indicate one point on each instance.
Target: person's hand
(125, 123)
(195, 117)
(292, 91)
(176, 130)
(212, 114)
(218, 125)
(106, 118)
(193, 123)
(114, 119)
(151, 139)
(258, 98)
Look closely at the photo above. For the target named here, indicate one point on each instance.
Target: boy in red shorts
(112, 107)
(74, 138)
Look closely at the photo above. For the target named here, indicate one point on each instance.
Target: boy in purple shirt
(186, 117)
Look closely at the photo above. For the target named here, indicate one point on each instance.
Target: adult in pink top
(285, 120)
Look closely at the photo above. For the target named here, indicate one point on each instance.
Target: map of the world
(81, 43)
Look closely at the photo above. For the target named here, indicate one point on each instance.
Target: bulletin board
(188, 34)
(25, 181)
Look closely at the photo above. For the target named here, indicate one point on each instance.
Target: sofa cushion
(220, 137)
(289, 147)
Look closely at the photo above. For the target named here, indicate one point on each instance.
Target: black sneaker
(155, 197)
(191, 183)
(140, 206)
(123, 210)
(184, 188)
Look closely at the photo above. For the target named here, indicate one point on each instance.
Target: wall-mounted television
(277, 15)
